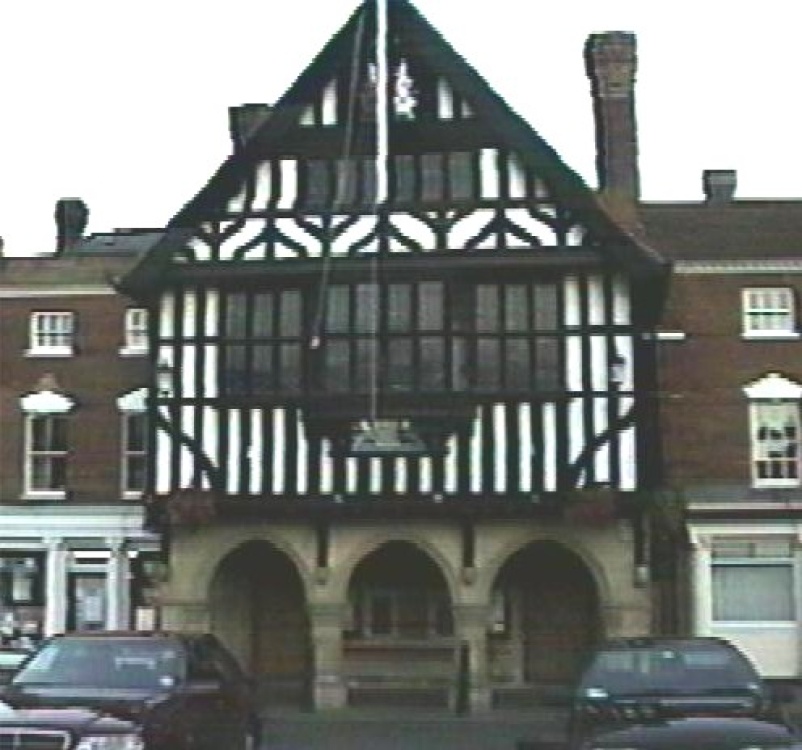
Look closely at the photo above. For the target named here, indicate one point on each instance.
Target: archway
(399, 643)
(258, 609)
(546, 616)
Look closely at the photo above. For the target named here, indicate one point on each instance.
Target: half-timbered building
(399, 352)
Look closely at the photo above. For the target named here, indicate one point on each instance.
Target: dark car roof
(663, 642)
(136, 634)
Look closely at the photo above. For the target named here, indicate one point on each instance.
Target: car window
(118, 663)
(641, 669)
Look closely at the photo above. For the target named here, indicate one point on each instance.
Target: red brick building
(730, 389)
(73, 378)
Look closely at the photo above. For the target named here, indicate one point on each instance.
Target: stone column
(326, 628)
(118, 586)
(471, 622)
(56, 587)
(701, 586)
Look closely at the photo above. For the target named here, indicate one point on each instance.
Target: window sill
(133, 351)
(61, 353)
(45, 495)
(776, 484)
(771, 336)
(131, 495)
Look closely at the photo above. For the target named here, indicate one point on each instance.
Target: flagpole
(382, 111)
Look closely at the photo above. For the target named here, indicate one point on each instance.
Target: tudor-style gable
(464, 174)
(427, 303)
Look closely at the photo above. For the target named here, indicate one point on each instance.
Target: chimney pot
(71, 218)
(719, 185)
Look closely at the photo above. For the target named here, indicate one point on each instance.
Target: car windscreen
(703, 668)
(114, 663)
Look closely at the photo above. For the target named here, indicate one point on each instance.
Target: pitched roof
(100, 259)
(748, 230)
(418, 35)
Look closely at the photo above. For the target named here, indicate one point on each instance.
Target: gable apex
(439, 107)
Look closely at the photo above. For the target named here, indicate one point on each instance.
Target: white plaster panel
(264, 185)
(289, 183)
(329, 107)
(488, 174)
(278, 450)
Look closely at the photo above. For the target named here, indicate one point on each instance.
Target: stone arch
(594, 565)
(400, 627)
(258, 605)
(196, 572)
(425, 545)
(546, 611)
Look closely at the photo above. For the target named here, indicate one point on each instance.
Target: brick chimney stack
(611, 62)
(71, 219)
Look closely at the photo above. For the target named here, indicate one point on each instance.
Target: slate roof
(738, 230)
(100, 259)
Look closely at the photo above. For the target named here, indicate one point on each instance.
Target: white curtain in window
(753, 593)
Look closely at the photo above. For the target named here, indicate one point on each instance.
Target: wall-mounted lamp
(617, 369)
(164, 378)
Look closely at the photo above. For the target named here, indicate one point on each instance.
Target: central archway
(399, 644)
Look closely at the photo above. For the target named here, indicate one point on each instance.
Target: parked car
(130, 691)
(649, 682)
(698, 733)
(11, 658)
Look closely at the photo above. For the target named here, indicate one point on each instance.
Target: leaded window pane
(431, 306)
(432, 364)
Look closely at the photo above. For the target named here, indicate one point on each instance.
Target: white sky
(124, 103)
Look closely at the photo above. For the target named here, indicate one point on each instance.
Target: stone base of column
(480, 699)
(328, 691)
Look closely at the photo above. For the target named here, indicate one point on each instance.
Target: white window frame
(775, 391)
(775, 441)
(48, 453)
(769, 312)
(135, 332)
(52, 333)
(133, 404)
(42, 404)
(130, 455)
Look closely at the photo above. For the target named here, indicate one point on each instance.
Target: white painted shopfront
(73, 568)
(745, 579)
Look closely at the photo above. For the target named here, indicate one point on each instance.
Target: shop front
(74, 569)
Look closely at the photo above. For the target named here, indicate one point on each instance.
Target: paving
(383, 729)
